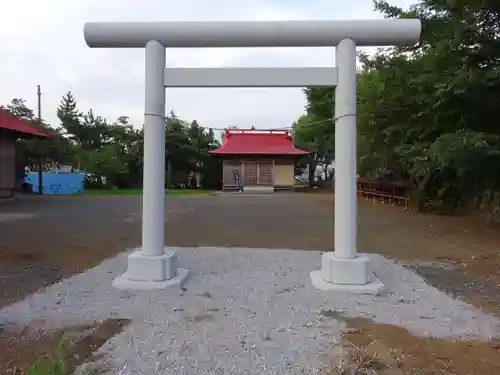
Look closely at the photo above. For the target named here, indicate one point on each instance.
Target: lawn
(109, 192)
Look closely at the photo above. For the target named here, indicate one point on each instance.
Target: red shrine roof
(10, 122)
(257, 142)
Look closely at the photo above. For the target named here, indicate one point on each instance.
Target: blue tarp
(57, 182)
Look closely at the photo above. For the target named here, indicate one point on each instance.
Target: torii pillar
(152, 267)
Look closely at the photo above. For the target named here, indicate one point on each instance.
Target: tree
(428, 118)
(87, 132)
(426, 112)
(114, 152)
(208, 167)
(179, 150)
(19, 109)
(316, 136)
(70, 117)
(130, 146)
(55, 149)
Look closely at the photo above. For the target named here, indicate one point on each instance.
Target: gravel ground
(242, 311)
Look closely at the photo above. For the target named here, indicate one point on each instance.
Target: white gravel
(243, 311)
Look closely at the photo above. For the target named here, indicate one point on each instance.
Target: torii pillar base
(146, 272)
(346, 275)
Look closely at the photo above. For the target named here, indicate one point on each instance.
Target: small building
(11, 129)
(259, 158)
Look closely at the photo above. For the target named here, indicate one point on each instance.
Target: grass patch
(61, 352)
(51, 365)
(128, 192)
(358, 360)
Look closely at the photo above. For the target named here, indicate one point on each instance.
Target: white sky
(41, 42)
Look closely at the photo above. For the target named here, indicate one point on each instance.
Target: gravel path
(242, 311)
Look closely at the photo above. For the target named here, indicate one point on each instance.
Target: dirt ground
(44, 239)
(391, 350)
(24, 347)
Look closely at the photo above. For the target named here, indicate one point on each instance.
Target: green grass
(55, 365)
(126, 192)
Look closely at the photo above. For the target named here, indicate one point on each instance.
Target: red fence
(383, 191)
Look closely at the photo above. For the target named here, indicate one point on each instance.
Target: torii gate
(152, 267)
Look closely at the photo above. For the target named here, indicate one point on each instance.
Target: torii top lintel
(369, 32)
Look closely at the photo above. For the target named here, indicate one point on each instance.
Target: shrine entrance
(151, 267)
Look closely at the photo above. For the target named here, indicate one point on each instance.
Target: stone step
(258, 189)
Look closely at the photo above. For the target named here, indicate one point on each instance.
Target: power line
(332, 119)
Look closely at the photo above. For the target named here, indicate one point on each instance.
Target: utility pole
(40, 159)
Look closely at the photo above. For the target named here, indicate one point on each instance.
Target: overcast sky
(41, 42)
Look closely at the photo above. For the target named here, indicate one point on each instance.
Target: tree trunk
(312, 167)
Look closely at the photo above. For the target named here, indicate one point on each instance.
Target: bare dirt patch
(389, 350)
(22, 347)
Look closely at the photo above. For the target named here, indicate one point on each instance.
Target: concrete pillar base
(151, 272)
(346, 275)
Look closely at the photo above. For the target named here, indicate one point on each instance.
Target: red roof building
(11, 129)
(253, 157)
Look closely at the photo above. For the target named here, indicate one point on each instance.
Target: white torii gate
(152, 267)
